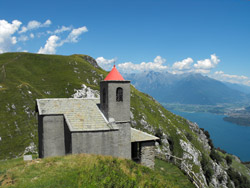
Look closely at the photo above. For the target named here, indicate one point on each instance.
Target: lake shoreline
(226, 135)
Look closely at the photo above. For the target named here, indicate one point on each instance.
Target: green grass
(88, 171)
(172, 173)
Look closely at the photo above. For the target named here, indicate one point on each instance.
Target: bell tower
(115, 97)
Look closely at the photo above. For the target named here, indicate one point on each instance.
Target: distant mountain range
(188, 88)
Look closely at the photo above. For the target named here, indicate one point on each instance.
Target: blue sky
(207, 36)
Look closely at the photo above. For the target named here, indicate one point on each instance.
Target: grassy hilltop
(25, 77)
(86, 170)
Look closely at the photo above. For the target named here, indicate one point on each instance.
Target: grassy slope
(25, 77)
(88, 171)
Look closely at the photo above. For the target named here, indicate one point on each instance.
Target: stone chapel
(97, 126)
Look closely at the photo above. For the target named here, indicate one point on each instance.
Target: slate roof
(80, 114)
(139, 136)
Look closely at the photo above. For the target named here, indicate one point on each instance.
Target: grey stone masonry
(96, 142)
(51, 136)
(148, 154)
(124, 140)
(111, 108)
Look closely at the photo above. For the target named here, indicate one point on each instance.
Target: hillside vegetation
(87, 171)
(25, 77)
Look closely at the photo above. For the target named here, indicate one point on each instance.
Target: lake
(230, 137)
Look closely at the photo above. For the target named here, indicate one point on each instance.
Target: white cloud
(106, 64)
(54, 41)
(207, 64)
(215, 59)
(6, 31)
(184, 64)
(75, 33)
(35, 25)
(23, 38)
(220, 75)
(47, 23)
(62, 29)
(50, 46)
(156, 65)
(32, 35)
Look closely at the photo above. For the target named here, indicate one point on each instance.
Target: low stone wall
(148, 154)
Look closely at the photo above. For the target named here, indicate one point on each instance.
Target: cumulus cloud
(220, 75)
(35, 25)
(156, 65)
(6, 34)
(185, 64)
(54, 41)
(50, 46)
(75, 33)
(207, 64)
(106, 64)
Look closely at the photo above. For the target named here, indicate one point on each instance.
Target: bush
(215, 156)
(171, 143)
(189, 136)
(240, 181)
(159, 135)
(207, 168)
(207, 134)
(210, 142)
(229, 160)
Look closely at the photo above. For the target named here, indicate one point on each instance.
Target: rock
(190, 152)
(86, 92)
(31, 149)
(91, 60)
(27, 157)
(219, 178)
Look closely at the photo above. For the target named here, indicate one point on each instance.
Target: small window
(119, 94)
(104, 95)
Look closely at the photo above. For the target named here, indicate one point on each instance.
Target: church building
(97, 126)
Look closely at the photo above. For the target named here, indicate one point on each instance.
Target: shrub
(159, 135)
(229, 160)
(240, 181)
(210, 142)
(189, 136)
(215, 156)
(207, 134)
(207, 168)
(171, 143)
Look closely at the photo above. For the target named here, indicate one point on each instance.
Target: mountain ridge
(189, 88)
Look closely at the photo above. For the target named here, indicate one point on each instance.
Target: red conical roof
(114, 75)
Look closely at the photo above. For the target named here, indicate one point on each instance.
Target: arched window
(104, 95)
(119, 94)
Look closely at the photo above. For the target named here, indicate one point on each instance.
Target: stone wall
(148, 154)
(96, 142)
(51, 135)
(124, 140)
(120, 111)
